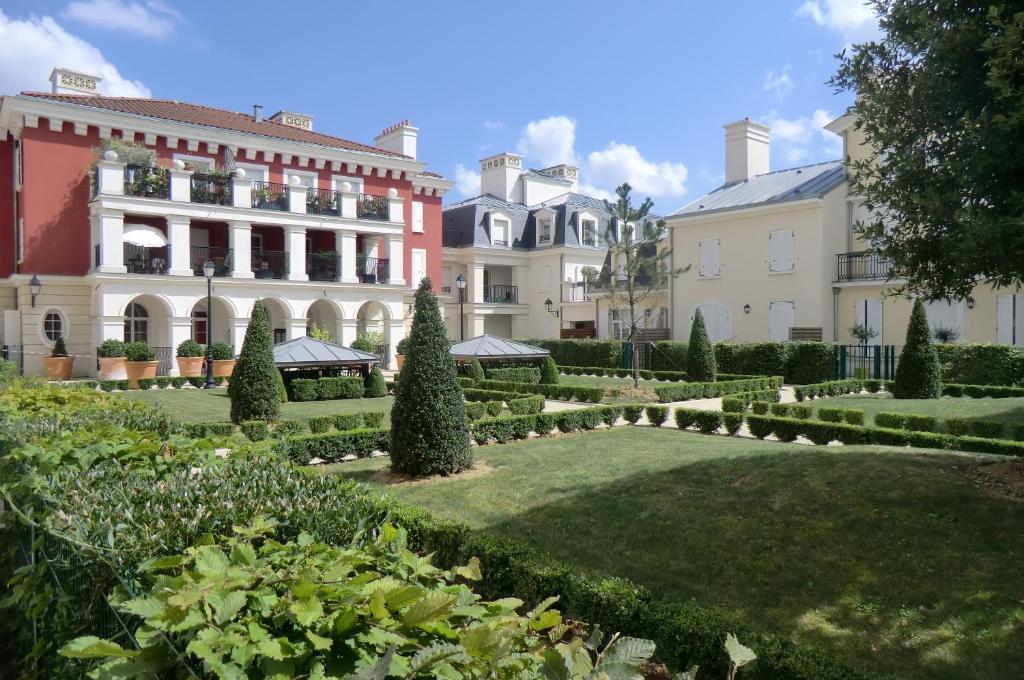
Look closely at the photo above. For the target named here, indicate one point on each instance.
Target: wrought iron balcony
(323, 266)
(142, 260)
(370, 207)
(145, 181)
(269, 264)
(221, 259)
(323, 202)
(212, 189)
(372, 269)
(862, 266)
(502, 294)
(269, 196)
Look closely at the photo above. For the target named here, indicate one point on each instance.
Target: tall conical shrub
(476, 371)
(254, 383)
(700, 360)
(549, 372)
(918, 375)
(429, 429)
(375, 384)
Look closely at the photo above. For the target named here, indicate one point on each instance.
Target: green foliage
(981, 391)
(603, 353)
(375, 386)
(705, 421)
(700, 359)
(282, 391)
(476, 410)
(196, 381)
(832, 388)
(176, 382)
(368, 342)
(429, 428)
(318, 424)
(59, 348)
(256, 430)
(190, 348)
(974, 364)
(289, 427)
(732, 422)
(111, 349)
(494, 408)
(523, 374)
(564, 392)
(348, 421)
(254, 387)
(222, 351)
(474, 370)
(402, 346)
(332, 447)
(163, 382)
(304, 389)
(548, 372)
(710, 390)
(656, 415)
(146, 383)
(319, 332)
(139, 351)
(339, 388)
(830, 415)
(632, 413)
(918, 374)
(526, 405)
(669, 355)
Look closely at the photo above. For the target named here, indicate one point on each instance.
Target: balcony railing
(269, 264)
(323, 202)
(142, 260)
(501, 293)
(212, 189)
(323, 267)
(269, 196)
(370, 207)
(862, 266)
(372, 269)
(221, 260)
(145, 181)
(576, 292)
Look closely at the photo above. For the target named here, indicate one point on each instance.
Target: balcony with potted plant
(223, 359)
(58, 364)
(112, 360)
(140, 363)
(190, 355)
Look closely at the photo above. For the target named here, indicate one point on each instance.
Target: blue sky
(637, 95)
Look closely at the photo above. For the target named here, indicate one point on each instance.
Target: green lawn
(214, 406)
(893, 561)
(1010, 411)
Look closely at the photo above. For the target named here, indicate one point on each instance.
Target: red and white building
(322, 229)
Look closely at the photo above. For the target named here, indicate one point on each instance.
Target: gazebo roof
(306, 351)
(484, 347)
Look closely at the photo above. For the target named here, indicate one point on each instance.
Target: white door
(1010, 320)
(868, 313)
(781, 317)
(716, 321)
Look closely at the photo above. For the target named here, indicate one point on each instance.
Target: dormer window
(544, 235)
(588, 229)
(499, 232)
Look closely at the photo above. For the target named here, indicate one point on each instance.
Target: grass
(214, 405)
(893, 561)
(1009, 411)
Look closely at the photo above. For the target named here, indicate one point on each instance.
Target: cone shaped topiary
(254, 383)
(375, 384)
(476, 371)
(549, 372)
(429, 429)
(700, 360)
(918, 376)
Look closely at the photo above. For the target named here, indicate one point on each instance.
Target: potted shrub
(223, 359)
(191, 356)
(140, 363)
(112, 356)
(400, 348)
(58, 364)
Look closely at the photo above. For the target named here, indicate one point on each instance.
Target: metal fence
(382, 352)
(645, 350)
(14, 354)
(868, 362)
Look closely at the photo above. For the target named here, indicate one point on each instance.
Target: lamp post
(208, 270)
(460, 281)
(34, 287)
(550, 306)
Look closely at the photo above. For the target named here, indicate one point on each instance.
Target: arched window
(53, 326)
(200, 319)
(136, 323)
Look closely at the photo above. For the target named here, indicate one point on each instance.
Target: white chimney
(303, 121)
(499, 176)
(746, 150)
(569, 172)
(64, 81)
(400, 138)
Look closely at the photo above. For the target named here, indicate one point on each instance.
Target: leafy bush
(632, 413)
(60, 349)
(760, 407)
(222, 351)
(890, 420)
(603, 353)
(974, 364)
(254, 386)
(146, 383)
(304, 389)
(656, 415)
(669, 355)
(981, 391)
(319, 424)
(732, 422)
(873, 386)
(475, 370)
(565, 392)
(853, 416)
(220, 429)
(920, 423)
(289, 427)
(339, 388)
(800, 411)
(526, 405)
(375, 386)
(523, 374)
(918, 375)
(987, 429)
(781, 410)
(957, 426)
(256, 430)
(177, 382)
(610, 415)
(475, 410)
(111, 348)
(348, 421)
(494, 408)
(197, 381)
(374, 419)
(832, 388)
(700, 360)
(190, 348)
(548, 372)
(368, 342)
(333, 446)
(162, 381)
(139, 351)
(760, 426)
(733, 405)
(685, 417)
(708, 422)
(708, 390)
(830, 415)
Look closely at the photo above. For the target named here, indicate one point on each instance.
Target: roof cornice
(723, 214)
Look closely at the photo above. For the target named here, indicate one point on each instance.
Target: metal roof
(809, 181)
(306, 351)
(489, 347)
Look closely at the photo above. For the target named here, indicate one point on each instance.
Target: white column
(181, 330)
(241, 190)
(295, 239)
(111, 233)
(474, 325)
(110, 328)
(349, 199)
(296, 328)
(349, 332)
(180, 240)
(397, 332)
(475, 283)
(345, 245)
(396, 260)
(181, 182)
(110, 175)
(240, 240)
(296, 197)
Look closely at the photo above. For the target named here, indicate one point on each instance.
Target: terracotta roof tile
(182, 112)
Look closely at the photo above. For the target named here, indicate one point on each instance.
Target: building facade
(323, 230)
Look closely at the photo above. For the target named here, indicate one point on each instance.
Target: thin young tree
(639, 267)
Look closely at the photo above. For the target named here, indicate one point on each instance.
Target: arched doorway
(278, 314)
(323, 315)
(216, 329)
(373, 318)
(147, 318)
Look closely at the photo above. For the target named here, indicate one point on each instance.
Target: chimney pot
(257, 113)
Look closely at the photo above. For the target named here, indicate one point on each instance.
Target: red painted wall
(430, 239)
(8, 208)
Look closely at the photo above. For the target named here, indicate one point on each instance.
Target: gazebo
(489, 348)
(308, 354)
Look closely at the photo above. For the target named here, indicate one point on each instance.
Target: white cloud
(853, 19)
(493, 124)
(804, 139)
(153, 19)
(591, 190)
(549, 141)
(30, 48)
(620, 163)
(467, 181)
(779, 82)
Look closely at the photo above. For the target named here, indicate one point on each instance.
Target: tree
(429, 429)
(375, 384)
(319, 332)
(476, 371)
(639, 268)
(254, 382)
(548, 372)
(918, 374)
(700, 353)
(938, 102)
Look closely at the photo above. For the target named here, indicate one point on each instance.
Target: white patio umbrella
(144, 235)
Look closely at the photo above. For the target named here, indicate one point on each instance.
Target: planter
(58, 368)
(223, 368)
(112, 368)
(138, 370)
(400, 361)
(190, 367)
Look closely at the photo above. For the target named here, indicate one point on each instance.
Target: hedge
(526, 405)
(313, 389)
(705, 421)
(832, 388)
(666, 376)
(475, 394)
(565, 392)
(709, 390)
(974, 364)
(981, 391)
(797, 362)
(331, 447)
(604, 353)
(475, 410)
(524, 374)
(738, 402)
(656, 415)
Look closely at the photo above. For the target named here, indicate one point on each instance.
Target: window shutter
(781, 317)
(419, 266)
(1005, 320)
(781, 251)
(417, 216)
(708, 257)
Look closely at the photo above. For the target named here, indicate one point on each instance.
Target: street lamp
(460, 281)
(208, 270)
(550, 306)
(34, 287)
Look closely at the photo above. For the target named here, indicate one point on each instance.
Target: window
(306, 179)
(868, 315)
(499, 232)
(419, 266)
(544, 278)
(709, 265)
(618, 324)
(446, 279)
(417, 216)
(199, 326)
(544, 234)
(255, 173)
(53, 326)
(257, 243)
(136, 323)
(780, 251)
(1010, 320)
(589, 232)
(199, 164)
(781, 317)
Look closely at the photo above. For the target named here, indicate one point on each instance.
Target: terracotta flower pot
(223, 368)
(400, 360)
(112, 368)
(58, 368)
(190, 367)
(139, 370)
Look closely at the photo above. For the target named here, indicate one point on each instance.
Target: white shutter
(781, 250)
(417, 216)
(781, 317)
(708, 257)
(419, 266)
(446, 278)
(716, 321)
(1006, 325)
